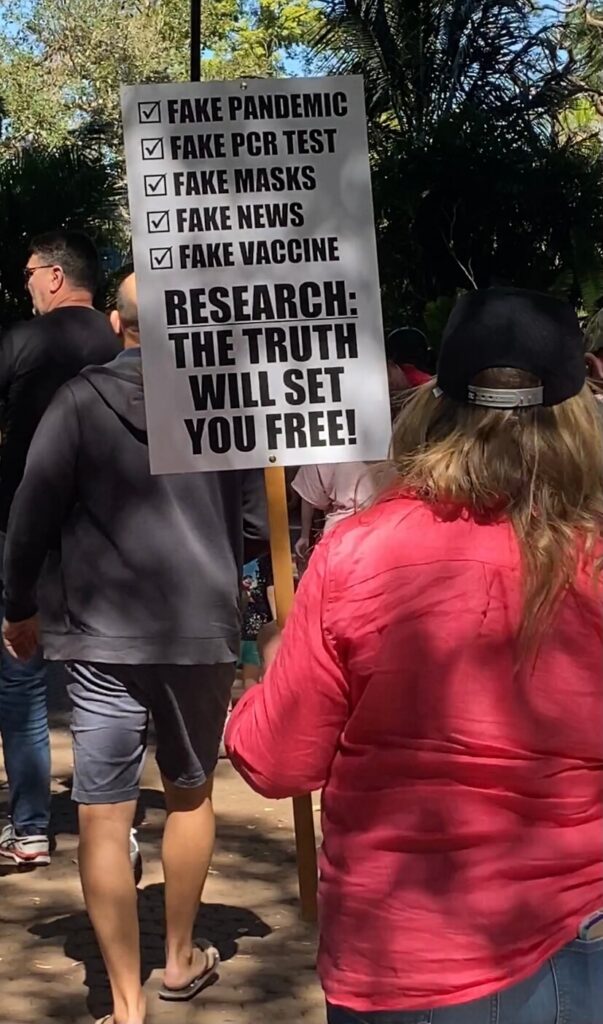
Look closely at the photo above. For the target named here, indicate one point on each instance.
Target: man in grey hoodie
(140, 598)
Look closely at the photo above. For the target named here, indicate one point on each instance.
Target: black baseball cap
(494, 328)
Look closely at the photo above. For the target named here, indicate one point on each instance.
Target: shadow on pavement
(223, 925)
(47, 939)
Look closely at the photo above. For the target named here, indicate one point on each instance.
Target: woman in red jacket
(441, 680)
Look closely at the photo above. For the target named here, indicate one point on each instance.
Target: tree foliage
(473, 181)
(583, 37)
(265, 36)
(485, 137)
(63, 61)
(427, 62)
(41, 190)
(470, 211)
(61, 66)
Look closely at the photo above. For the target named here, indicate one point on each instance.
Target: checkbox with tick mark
(158, 221)
(149, 112)
(152, 149)
(161, 259)
(155, 185)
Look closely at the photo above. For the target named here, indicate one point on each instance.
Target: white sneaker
(222, 750)
(135, 855)
(33, 851)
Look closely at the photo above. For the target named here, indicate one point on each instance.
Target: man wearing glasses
(36, 358)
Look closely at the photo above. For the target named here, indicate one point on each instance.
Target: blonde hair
(539, 468)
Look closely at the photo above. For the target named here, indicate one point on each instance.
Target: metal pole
(195, 40)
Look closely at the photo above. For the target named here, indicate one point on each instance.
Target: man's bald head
(124, 318)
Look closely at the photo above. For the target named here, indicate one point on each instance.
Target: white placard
(256, 266)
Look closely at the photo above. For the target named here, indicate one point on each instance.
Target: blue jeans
(24, 730)
(567, 990)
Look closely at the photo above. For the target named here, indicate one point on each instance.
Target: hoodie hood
(119, 385)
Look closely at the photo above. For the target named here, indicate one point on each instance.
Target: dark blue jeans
(24, 729)
(567, 990)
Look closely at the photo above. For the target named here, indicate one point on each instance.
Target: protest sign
(257, 276)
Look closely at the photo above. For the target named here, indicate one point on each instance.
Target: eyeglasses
(28, 272)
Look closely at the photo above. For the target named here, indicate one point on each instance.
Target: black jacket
(36, 358)
(149, 566)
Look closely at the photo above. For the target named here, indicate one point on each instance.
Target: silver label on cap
(499, 398)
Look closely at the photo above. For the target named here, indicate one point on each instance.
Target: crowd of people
(439, 678)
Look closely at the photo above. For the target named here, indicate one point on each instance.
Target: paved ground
(50, 968)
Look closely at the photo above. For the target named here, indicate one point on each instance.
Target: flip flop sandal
(209, 973)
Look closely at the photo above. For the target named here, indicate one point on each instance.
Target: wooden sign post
(280, 548)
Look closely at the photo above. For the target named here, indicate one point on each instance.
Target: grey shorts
(111, 708)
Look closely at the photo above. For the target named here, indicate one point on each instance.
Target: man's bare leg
(188, 844)
(110, 895)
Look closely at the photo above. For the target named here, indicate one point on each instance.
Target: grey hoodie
(139, 568)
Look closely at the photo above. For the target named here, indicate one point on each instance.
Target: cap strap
(499, 398)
